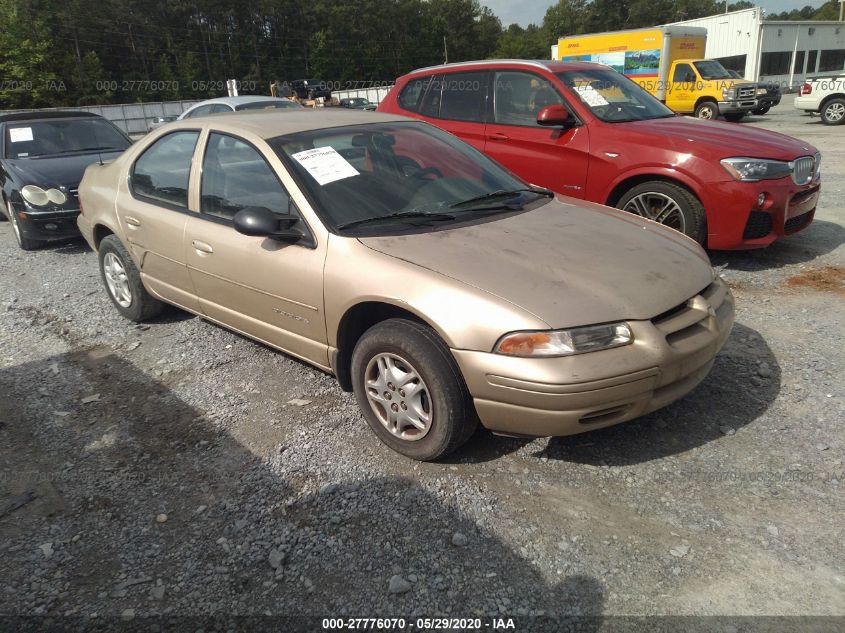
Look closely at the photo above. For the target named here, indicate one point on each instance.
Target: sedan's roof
(35, 115)
(269, 123)
(240, 100)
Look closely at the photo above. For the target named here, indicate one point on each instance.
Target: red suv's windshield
(613, 97)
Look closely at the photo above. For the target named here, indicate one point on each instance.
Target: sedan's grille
(803, 169)
(759, 225)
(687, 320)
(74, 193)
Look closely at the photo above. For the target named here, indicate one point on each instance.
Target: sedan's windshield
(613, 97)
(711, 69)
(55, 137)
(268, 105)
(390, 175)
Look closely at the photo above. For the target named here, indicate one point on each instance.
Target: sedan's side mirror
(555, 116)
(261, 222)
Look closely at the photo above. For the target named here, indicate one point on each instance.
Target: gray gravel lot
(162, 469)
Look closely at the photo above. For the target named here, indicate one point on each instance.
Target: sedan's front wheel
(123, 282)
(410, 390)
(24, 242)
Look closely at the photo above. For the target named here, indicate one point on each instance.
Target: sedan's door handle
(202, 247)
(132, 221)
(498, 136)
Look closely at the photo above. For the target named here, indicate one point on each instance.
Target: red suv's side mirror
(554, 115)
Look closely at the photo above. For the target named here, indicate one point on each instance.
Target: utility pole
(445, 51)
(842, 10)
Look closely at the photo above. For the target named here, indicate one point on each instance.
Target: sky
(526, 12)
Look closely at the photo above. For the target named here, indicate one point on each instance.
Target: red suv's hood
(721, 139)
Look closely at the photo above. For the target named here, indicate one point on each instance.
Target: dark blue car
(42, 158)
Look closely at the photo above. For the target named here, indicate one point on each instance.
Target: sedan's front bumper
(48, 225)
(670, 355)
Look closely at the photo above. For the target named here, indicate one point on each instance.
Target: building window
(798, 64)
(775, 63)
(832, 60)
(734, 62)
(811, 61)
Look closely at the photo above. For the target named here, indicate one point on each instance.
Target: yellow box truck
(668, 62)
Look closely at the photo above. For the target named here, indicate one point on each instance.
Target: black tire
(25, 243)
(833, 111)
(453, 417)
(707, 110)
(761, 111)
(142, 306)
(690, 207)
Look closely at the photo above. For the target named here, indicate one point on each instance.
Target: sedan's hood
(55, 171)
(569, 262)
(688, 134)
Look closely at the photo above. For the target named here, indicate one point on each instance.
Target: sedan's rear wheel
(410, 390)
(668, 204)
(833, 112)
(123, 282)
(24, 242)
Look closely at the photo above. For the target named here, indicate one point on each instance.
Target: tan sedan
(438, 286)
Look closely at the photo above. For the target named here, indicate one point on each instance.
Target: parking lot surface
(176, 468)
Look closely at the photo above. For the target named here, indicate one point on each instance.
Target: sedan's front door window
(236, 176)
(162, 172)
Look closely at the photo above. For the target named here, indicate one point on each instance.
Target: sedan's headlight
(753, 169)
(577, 340)
(38, 197)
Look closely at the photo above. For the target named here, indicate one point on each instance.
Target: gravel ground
(176, 468)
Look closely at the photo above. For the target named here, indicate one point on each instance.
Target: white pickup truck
(825, 95)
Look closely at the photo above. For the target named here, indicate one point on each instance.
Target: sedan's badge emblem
(295, 317)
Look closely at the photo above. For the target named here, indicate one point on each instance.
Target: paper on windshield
(325, 164)
(590, 96)
(20, 134)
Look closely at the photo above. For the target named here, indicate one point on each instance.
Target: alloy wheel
(116, 280)
(14, 221)
(658, 207)
(835, 112)
(398, 396)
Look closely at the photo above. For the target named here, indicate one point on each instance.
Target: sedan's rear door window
(162, 172)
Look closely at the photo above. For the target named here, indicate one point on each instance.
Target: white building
(781, 51)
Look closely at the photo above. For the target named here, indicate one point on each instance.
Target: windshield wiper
(400, 214)
(501, 193)
(91, 149)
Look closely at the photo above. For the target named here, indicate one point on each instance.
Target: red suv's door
(457, 102)
(550, 157)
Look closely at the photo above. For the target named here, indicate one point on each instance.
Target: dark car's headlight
(753, 169)
(38, 197)
(578, 340)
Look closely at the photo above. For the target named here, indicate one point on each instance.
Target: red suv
(586, 131)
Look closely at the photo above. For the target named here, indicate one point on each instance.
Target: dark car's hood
(55, 171)
(568, 262)
(728, 139)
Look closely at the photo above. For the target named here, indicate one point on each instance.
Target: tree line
(75, 52)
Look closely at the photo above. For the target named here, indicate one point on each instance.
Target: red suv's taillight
(805, 90)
